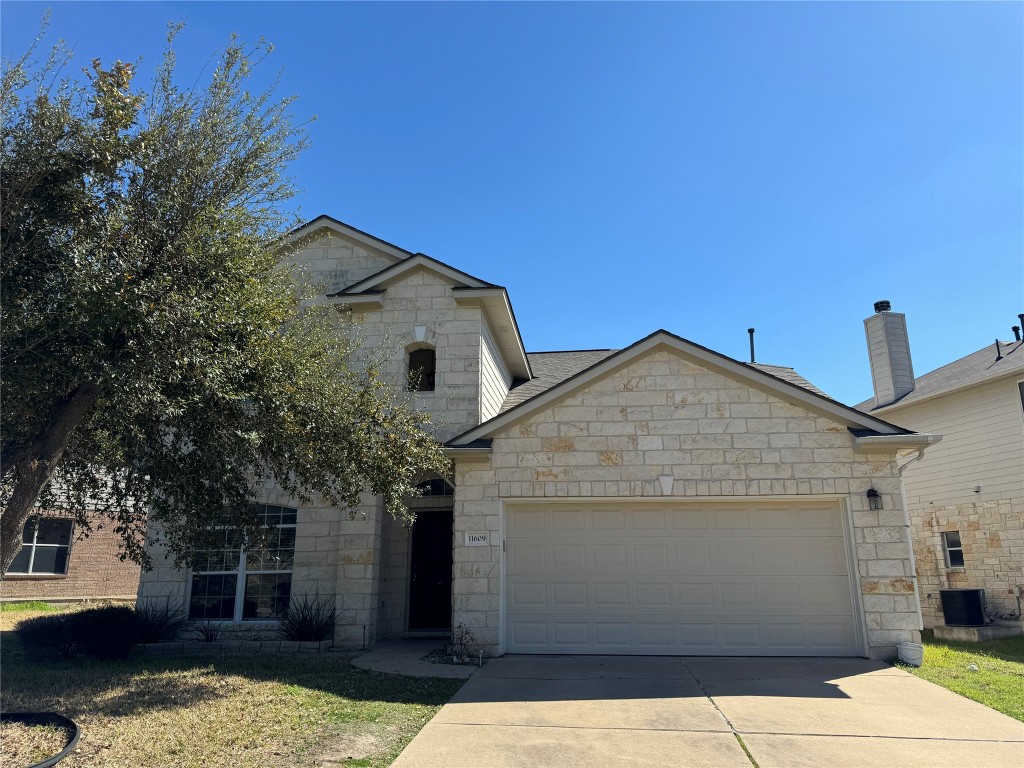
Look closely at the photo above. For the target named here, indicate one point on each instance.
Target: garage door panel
(611, 594)
(640, 580)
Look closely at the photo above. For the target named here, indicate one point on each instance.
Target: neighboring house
(659, 499)
(966, 495)
(57, 564)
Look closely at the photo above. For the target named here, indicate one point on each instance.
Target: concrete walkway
(671, 711)
(405, 657)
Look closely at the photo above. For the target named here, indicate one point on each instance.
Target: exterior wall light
(874, 499)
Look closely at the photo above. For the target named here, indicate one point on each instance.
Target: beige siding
(982, 445)
(494, 377)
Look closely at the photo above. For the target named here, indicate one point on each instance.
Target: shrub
(462, 639)
(207, 631)
(49, 633)
(105, 633)
(309, 619)
(158, 621)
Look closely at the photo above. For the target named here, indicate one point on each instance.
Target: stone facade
(661, 425)
(665, 426)
(992, 535)
(95, 572)
(424, 300)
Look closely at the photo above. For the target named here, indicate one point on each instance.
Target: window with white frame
(45, 547)
(953, 549)
(232, 583)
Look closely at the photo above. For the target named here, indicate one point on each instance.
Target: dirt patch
(356, 743)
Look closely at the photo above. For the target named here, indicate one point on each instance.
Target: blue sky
(622, 167)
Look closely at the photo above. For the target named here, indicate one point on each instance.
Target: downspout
(910, 542)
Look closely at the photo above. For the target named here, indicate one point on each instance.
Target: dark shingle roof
(551, 368)
(789, 375)
(975, 368)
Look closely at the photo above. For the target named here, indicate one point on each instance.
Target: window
(234, 584)
(953, 548)
(422, 365)
(46, 542)
(435, 487)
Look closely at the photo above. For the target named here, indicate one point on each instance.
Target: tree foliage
(154, 355)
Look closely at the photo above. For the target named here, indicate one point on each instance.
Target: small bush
(49, 633)
(105, 633)
(158, 621)
(309, 619)
(207, 631)
(462, 639)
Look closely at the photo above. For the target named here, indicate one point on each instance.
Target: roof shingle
(973, 369)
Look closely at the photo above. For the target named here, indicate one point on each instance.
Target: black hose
(47, 718)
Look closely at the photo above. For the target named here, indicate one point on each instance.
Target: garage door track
(595, 711)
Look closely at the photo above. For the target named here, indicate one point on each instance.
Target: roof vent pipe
(1021, 318)
(999, 352)
(751, 332)
(1016, 332)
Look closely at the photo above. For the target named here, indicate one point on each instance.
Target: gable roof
(415, 261)
(976, 368)
(606, 361)
(329, 222)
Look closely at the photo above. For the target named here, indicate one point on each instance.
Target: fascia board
(369, 300)
(499, 313)
(875, 443)
(419, 261)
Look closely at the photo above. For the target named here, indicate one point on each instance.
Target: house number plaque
(477, 538)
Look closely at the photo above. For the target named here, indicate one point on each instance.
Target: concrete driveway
(592, 711)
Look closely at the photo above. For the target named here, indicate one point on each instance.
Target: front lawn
(999, 681)
(245, 711)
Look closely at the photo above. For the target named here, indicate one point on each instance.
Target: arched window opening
(422, 364)
(435, 487)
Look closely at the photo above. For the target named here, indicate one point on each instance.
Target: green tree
(155, 356)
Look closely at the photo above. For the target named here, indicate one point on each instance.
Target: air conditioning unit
(963, 607)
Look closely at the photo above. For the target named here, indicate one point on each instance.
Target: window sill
(956, 569)
(35, 576)
(242, 623)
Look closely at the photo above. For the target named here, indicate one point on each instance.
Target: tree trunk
(33, 467)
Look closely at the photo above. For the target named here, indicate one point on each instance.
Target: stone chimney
(892, 372)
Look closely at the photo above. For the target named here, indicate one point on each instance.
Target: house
(965, 496)
(658, 499)
(58, 564)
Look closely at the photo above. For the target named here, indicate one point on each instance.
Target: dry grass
(244, 711)
(29, 744)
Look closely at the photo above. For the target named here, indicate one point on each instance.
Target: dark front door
(430, 589)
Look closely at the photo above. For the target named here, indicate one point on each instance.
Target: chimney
(892, 371)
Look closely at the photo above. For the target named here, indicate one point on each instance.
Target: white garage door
(751, 579)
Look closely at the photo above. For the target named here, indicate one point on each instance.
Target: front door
(430, 588)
